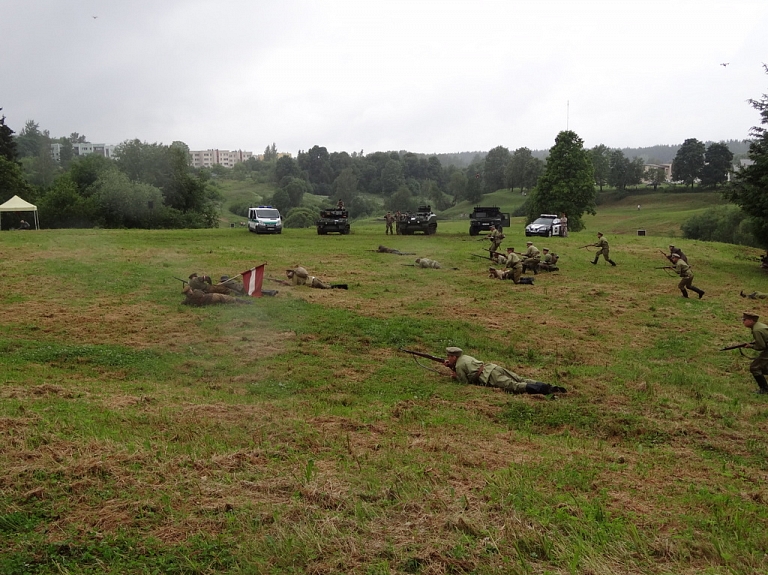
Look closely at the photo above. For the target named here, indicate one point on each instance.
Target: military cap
(599, 233)
(751, 316)
(529, 243)
(545, 249)
(454, 351)
(671, 246)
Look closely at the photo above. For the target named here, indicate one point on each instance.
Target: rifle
(664, 268)
(737, 346)
(181, 280)
(482, 257)
(665, 255)
(587, 246)
(424, 355)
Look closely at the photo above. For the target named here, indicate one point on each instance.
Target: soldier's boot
(742, 294)
(698, 291)
(594, 262)
(684, 292)
(542, 388)
(761, 382)
(535, 270)
(613, 263)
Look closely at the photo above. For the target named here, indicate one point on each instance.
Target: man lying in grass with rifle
(469, 370)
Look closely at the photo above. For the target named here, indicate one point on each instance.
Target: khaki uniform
(604, 251)
(495, 237)
(686, 279)
(531, 258)
(426, 263)
(755, 295)
(759, 365)
(515, 266)
(548, 263)
(198, 297)
(300, 277)
(467, 368)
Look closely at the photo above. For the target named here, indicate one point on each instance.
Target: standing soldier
(684, 271)
(759, 366)
(531, 258)
(495, 237)
(390, 219)
(604, 250)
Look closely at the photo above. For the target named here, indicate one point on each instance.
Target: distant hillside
(660, 154)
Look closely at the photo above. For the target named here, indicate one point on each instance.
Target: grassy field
(138, 435)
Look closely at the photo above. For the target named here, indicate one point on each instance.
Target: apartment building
(209, 158)
(84, 149)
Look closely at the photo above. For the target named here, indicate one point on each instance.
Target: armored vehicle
(334, 220)
(424, 220)
(483, 217)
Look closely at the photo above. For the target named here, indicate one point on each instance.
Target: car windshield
(271, 214)
(544, 221)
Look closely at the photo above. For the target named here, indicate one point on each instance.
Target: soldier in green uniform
(514, 264)
(390, 219)
(759, 366)
(469, 370)
(549, 261)
(686, 276)
(495, 237)
(604, 250)
(531, 258)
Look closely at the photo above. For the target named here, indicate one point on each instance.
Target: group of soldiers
(516, 264)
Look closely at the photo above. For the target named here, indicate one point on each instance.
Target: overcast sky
(424, 76)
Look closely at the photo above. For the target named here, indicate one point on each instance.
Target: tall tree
(601, 164)
(270, 153)
(688, 162)
(475, 185)
(30, 140)
(619, 174)
(515, 170)
(717, 164)
(392, 177)
(286, 166)
(345, 186)
(7, 143)
(495, 163)
(751, 189)
(457, 186)
(568, 182)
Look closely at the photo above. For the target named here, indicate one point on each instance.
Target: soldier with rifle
(759, 366)
(495, 237)
(604, 250)
(514, 265)
(684, 271)
(549, 261)
(470, 371)
(672, 251)
(531, 258)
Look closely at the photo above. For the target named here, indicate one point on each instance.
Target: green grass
(290, 436)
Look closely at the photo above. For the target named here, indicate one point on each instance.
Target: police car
(264, 220)
(546, 225)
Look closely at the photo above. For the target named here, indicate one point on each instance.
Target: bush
(728, 224)
(240, 209)
(300, 218)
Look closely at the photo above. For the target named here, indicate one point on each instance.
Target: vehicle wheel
(473, 232)
(432, 229)
(527, 235)
(549, 233)
(319, 233)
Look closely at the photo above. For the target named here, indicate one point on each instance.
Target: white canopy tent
(16, 204)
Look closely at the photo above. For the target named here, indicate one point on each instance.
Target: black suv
(483, 217)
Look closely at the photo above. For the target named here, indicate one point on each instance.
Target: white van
(264, 220)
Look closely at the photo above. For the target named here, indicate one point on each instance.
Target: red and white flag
(252, 280)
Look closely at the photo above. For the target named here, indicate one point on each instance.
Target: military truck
(483, 217)
(424, 220)
(334, 220)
